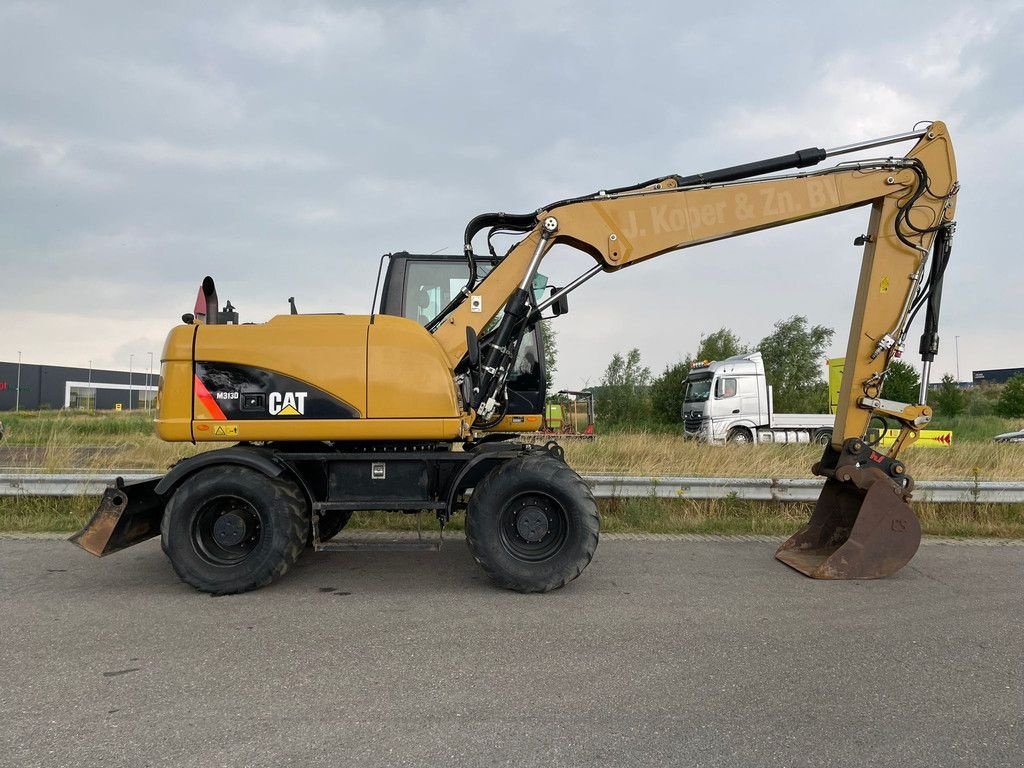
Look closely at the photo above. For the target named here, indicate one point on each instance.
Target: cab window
(525, 374)
(725, 388)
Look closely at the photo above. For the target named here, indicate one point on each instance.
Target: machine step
(378, 505)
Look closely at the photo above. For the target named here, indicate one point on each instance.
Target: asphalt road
(663, 653)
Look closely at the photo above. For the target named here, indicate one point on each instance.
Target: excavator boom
(863, 526)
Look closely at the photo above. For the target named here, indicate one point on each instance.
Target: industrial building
(997, 375)
(29, 387)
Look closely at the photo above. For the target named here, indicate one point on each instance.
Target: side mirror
(472, 348)
(560, 305)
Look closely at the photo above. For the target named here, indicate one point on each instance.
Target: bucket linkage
(862, 526)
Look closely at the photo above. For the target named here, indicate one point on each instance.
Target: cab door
(726, 403)
(420, 286)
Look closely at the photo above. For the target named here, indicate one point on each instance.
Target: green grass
(980, 429)
(86, 427)
(36, 514)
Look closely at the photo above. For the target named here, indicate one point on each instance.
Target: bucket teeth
(861, 528)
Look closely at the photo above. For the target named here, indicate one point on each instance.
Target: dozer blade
(127, 514)
(854, 534)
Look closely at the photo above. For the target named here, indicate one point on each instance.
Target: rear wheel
(232, 529)
(823, 436)
(532, 524)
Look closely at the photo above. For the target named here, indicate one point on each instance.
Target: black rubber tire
(279, 535)
(822, 437)
(539, 480)
(330, 525)
(740, 435)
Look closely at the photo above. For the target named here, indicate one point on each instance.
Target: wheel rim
(533, 527)
(740, 437)
(226, 530)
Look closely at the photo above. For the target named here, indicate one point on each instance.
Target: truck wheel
(231, 529)
(532, 524)
(330, 525)
(740, 435)
(823, 437)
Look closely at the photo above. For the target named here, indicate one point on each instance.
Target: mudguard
(130, 513)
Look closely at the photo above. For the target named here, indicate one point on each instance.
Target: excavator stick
(862, 527)
(128, 514)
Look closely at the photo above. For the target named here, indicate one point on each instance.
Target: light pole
(149, 385)
(957, 341)
(90, 398)
(17, 387)
(131, 359)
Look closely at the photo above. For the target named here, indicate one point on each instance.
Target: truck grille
(692, 422)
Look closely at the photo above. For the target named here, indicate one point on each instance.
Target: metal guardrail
(91, 484)
(605, 487)
(783, 489)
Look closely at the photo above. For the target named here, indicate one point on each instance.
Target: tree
(550, 338)
(623, 398)
(719, 345)
(667, 393)
(792, 364)
(982, 400)
(1011, 401)
(949, 400)
(902, 383)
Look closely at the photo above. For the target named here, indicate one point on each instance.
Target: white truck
(730, 401)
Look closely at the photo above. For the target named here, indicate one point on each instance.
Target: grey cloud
(283, 147)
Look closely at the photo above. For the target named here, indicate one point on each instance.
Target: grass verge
(720, 516)
(102, 441)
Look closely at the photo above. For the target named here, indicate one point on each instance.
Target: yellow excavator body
(308, 378)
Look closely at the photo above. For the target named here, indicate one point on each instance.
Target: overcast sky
(282, 147)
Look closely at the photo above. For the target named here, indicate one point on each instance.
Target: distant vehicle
(730, 401)
(1010, 437)
(558, 422)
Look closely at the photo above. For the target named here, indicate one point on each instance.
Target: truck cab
(730, 401)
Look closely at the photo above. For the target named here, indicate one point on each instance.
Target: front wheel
(231, 529)
(532, 524)
(740, 435)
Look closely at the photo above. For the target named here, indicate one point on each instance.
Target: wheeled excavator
(326, 415)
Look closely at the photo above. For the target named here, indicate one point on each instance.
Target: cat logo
(287, 403)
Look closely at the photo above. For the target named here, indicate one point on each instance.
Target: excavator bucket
(128, 513)
(855, 533)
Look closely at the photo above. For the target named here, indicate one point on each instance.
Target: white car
(1010, 437)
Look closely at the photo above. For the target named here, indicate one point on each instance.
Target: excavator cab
(419, 286)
